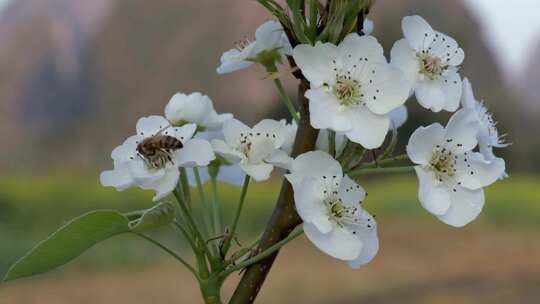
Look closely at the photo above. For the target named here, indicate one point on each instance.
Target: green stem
(285, 98)
(185, 187)
(374, 164)
(207, 214)
(169, 251)
(263, 254)
(198, 236)
(332, 143)
(216, 207)
(365, 171)
(227, 244)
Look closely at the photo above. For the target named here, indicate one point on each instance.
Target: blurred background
(75, 75)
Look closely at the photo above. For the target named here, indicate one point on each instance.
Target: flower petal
(422, 142)
(368, 129)
(221, 148)
(323, 144)
(451, 88)
(280, 159)
(191, 108)
(314, 164)
(354, 47)
(232, 130)
(398, 116)
(430, 95)
(417, 31)
(325, 111)
(461, 131)
(481, 172)
(272, 129)
(350, 192)
(404, 58)
(315, 62)
(234, 60)
(386, 89)
(259, 172)
(338, 243)
(433, 196)
(196, 152)
(183, 133)
(165, 185)
(309, 202)
(466, 206)
(151, 125)
(118, 178)
(370, 247)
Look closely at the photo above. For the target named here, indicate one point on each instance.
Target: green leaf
(159, 215)
(69, 242)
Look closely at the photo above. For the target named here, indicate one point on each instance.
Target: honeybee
(156, 150)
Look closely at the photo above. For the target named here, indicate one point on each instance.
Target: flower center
(442, 163)
(347, 90)
(431, 66)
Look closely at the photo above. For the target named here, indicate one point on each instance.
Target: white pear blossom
(430, 60)
(450, 174)
(488, 135)
(329, 203)
(256, 149)
(268, 37)
(133, 169)
(352, 87)
(195, 108)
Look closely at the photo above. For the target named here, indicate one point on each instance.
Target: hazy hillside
(77, 74)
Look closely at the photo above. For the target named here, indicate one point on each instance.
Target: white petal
(430, 95)
(368, 129)
(451, 88)
(481, 172)
(234, 60)
(350, 192)
(404, 58)
(370, 247)
(386, 88)
(232, 130)
(433, 196)
(118, 178)
(196, 152)
(314, 164)
(361, 47)
(461, 131)
(165, 185)
(467, 98)
(325, 111)
(269, 35)
(338, 243)
(151, 125)
(221, 148)
(417, 31)
(446, 48)
(280, 159)
(315, 62)
(398, 116)
(309, 202)
(261, 148)
(272, 129)
(423, 141)
(183, 133)
(193, 108)
(259, 172)
(127, 149)
(466, 206)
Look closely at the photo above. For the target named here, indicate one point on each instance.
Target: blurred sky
(512, 27)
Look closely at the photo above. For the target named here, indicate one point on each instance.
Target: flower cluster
(355, 98)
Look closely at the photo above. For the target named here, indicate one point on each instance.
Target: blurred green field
(499, 251)
(31, 207)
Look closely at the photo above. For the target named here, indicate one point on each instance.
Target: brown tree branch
(284, 217)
